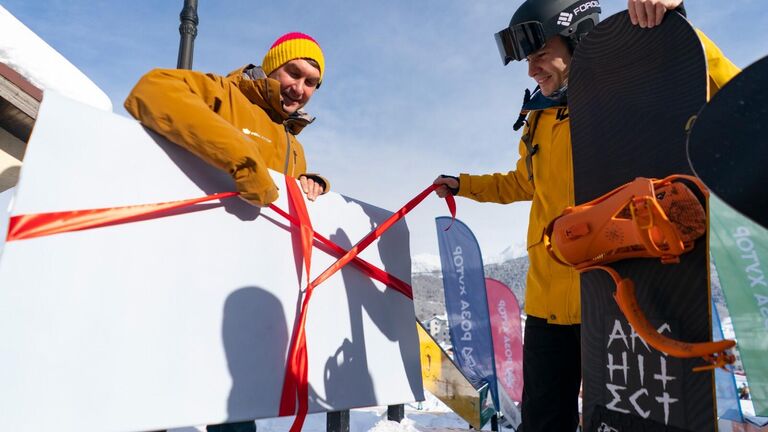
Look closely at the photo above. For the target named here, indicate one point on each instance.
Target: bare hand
(311, 188)
(446, 184)
(649, 13)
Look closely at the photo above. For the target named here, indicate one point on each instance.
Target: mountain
(427, 282)
(511, 252)
(425, 263)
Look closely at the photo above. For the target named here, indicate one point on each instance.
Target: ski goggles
(519, 41)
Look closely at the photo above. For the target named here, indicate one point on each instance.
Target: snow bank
(434, 416)
(26, 53)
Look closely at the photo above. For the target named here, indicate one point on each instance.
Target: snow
(428, 263)
(429, 416)
(425, 263)
(26, 53)
(727, 325)
(511, 252)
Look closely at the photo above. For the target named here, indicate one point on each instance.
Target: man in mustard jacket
(243, 123)
(544, 175)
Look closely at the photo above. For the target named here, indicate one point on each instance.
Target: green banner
(740, 251)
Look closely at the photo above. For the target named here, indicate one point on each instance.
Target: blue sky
(413, 88)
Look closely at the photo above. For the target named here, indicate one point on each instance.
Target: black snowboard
(728, 146)
(631, 93)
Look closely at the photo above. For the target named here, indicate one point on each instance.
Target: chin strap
(645, 218)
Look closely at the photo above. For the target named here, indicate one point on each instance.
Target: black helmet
(538, 20)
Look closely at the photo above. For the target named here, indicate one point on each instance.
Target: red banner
(507, 337)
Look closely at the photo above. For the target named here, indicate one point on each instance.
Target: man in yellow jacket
(244, 123)
(544, 175)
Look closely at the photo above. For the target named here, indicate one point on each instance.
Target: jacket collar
(265, 93)
(537, 101)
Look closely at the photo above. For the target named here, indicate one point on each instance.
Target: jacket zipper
(287, 152)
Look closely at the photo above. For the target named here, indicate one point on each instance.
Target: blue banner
(728, 406)
(466, 304)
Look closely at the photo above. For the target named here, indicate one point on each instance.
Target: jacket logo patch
(256, 134)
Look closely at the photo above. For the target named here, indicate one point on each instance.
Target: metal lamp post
(188, 31)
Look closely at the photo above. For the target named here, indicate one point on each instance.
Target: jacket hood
(265, 93)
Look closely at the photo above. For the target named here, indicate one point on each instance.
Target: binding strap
(632, 221)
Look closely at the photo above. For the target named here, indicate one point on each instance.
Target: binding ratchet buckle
(646, 218)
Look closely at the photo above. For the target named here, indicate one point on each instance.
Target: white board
(185, 319)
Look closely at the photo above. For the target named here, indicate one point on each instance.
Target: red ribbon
(295, 383)
(44, 224)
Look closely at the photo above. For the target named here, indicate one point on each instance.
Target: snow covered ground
(433, 416)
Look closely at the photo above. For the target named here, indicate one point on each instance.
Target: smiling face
(549, 65)
(298, 80)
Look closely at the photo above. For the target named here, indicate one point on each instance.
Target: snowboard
(727, 145)
(632, 91)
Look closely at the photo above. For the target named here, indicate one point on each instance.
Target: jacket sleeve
(180, 105)
(499, 188)
(720, 68)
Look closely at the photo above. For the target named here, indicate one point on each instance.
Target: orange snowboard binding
(646, 218)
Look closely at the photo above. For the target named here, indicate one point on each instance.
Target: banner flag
(507, 333)
(466, 303)
(740, 251)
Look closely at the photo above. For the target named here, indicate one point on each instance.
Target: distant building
(438, 328)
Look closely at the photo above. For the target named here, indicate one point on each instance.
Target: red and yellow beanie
(292, 46)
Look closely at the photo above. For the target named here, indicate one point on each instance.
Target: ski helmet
(535, 21)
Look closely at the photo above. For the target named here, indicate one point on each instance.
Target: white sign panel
(183, 319)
